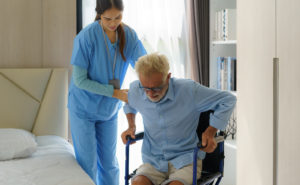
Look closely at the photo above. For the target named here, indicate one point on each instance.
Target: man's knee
(175, 183)
(141, 180)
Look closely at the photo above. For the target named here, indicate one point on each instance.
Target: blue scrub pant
(95, 148)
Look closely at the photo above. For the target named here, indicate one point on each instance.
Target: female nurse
(101, 54)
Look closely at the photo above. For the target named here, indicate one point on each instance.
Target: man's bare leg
(175, 183)
(141, 180)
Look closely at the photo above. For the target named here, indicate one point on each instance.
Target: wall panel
(36, 33)
(20, 33)
(59, 30)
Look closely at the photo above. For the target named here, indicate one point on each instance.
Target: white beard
(155, 100)
(159, 97)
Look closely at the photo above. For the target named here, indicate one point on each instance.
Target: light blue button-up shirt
(170, 125)
(90, 53)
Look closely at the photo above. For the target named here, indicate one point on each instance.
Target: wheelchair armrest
(219, 139)
(130, 140)
(138, 136)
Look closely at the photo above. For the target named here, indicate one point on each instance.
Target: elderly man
(170, 109)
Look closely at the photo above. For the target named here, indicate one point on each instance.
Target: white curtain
(160, 24)
(88, 12)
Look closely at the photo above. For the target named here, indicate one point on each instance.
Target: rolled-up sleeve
(132, 94)
(221, 102)
(128, 109)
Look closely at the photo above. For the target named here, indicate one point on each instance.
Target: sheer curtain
(88, 12)
(161, 26)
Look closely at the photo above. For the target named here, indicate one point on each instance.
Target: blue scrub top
(89, 52)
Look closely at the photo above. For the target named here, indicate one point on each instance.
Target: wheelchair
(212, 164)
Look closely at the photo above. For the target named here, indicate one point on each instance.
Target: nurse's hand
(121, 94)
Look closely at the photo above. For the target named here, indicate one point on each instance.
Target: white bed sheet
(52, 164)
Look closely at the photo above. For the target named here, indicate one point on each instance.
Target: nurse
(101, 54)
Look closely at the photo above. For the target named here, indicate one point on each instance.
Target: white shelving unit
(217, 47)
(220, 48)
(220, 42)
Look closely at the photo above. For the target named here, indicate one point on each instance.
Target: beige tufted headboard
(34, 100)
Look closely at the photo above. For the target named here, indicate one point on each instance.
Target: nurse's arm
(81, 80)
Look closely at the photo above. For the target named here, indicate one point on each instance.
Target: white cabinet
(288, 39)
(255, 51)
(265, 30)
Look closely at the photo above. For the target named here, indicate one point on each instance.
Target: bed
(34, 149)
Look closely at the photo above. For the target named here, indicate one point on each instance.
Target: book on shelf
(226, 73)
(225, 25)
(219, 71)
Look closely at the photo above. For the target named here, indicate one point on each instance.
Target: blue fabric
(89, 52)
(81, 80)
(170, 125)
(95, 148)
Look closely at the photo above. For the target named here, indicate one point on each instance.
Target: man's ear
(169, 76)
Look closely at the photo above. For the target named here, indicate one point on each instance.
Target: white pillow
(16, 143)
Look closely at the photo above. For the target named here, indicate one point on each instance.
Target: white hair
(152, 63)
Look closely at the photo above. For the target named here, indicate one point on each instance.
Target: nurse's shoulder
(130, 34)
(89, 33)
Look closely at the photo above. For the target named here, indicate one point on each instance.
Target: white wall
(36, 33)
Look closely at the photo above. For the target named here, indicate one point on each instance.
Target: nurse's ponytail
(101, 6)
(121, 34)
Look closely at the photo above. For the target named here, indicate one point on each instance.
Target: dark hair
(102, 6)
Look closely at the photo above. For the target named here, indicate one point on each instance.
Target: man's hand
(208, 140)
(129, 132)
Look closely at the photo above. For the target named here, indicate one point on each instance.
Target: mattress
(53, 163)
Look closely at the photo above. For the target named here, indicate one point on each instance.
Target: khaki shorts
(183, 175)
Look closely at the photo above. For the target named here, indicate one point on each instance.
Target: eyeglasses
(153, 89)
